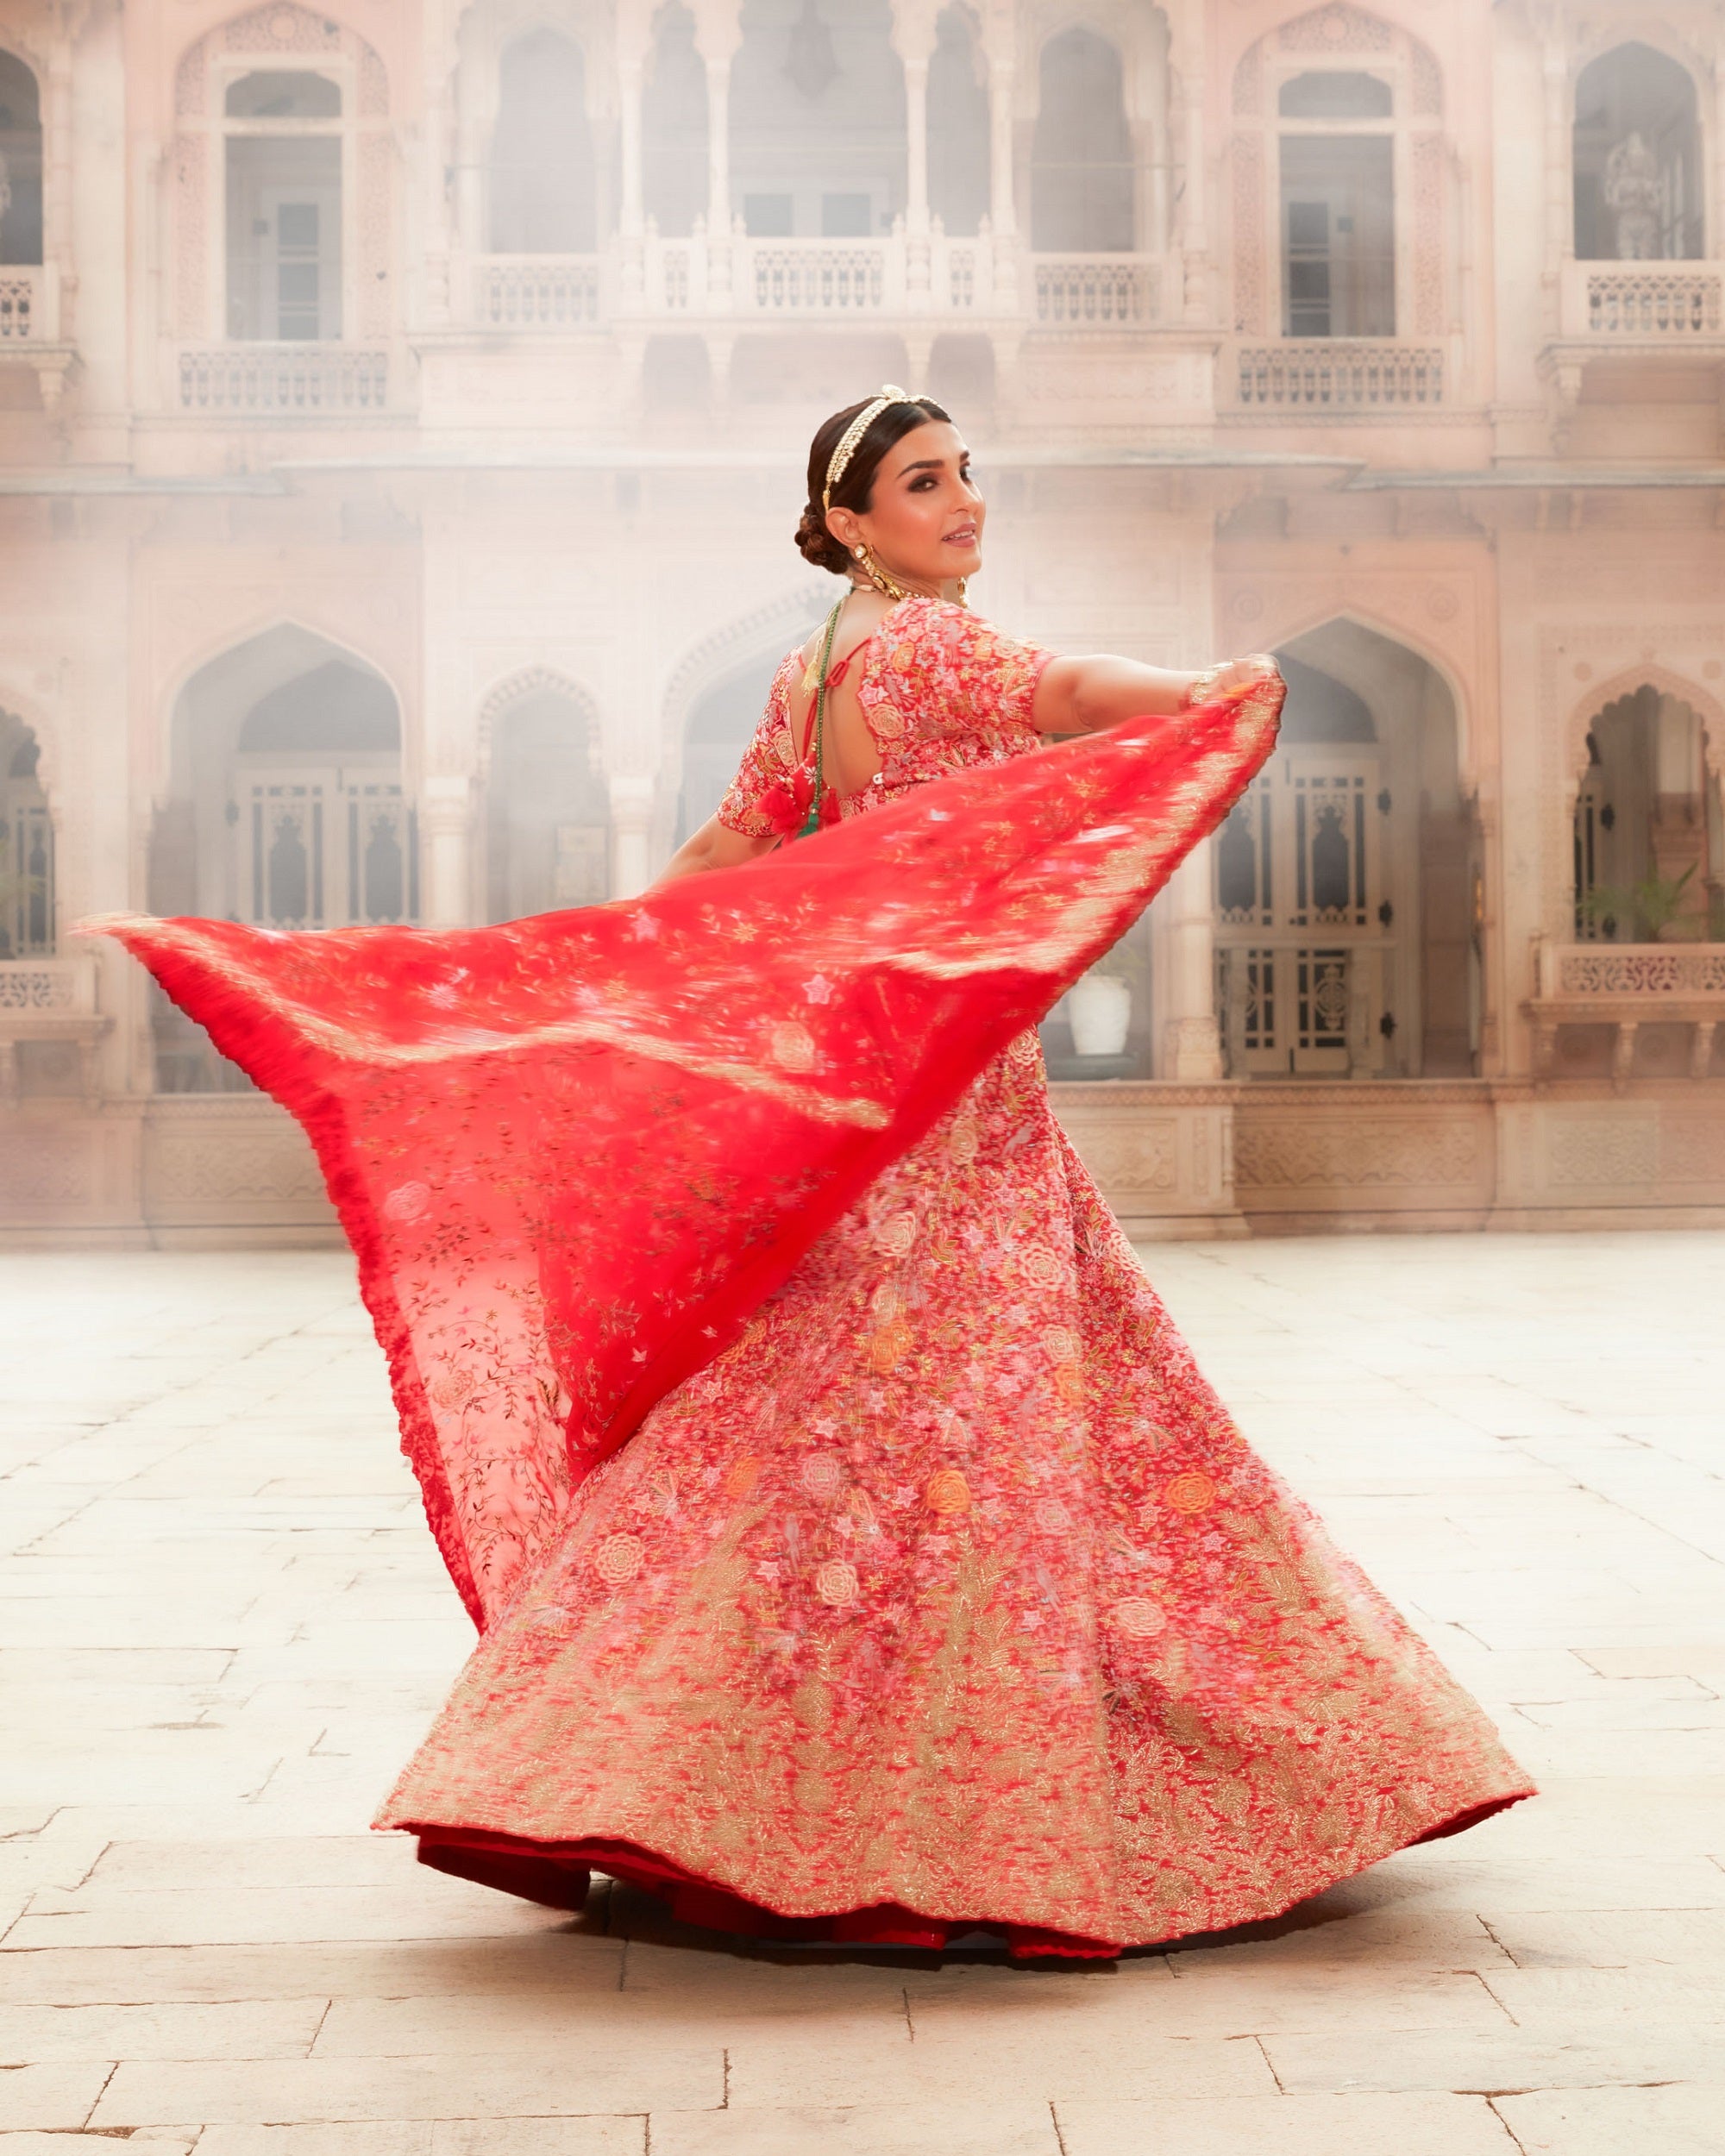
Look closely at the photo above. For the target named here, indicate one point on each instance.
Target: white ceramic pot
(1099, 1009)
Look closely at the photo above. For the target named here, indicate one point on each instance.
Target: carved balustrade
(1626, 987)
(1306, 375)
(49, 1000)
(1664, 304)
(288, 382)
(737, 277)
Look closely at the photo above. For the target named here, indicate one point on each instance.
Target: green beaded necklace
(810, 823)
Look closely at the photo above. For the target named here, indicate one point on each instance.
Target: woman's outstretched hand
(1232, 680)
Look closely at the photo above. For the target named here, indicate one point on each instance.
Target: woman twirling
(858, 1550)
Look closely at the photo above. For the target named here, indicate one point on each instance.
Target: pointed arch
(518, 687)
(1649, 673)
(1274, 631)
(776, 624)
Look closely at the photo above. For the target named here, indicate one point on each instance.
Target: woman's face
(923, 522)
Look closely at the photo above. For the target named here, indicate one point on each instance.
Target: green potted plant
(1654, 906)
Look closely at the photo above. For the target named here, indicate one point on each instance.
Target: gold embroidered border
(354, 1044)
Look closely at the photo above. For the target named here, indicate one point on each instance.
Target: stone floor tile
(568, 1960)
(238, 1915)
(1548, 2057)
(322, 1860)
(1616, 2122)
(275, 2029)
(1594, 1999)
(53, 2098)
(504, 2023)
(1613, 1939)
(771, 2069)
(68, 2144)
(1210, 1999)
(951, 2128)
(624, 2137)
(1330, 1932)
(574, 2080)
(1286, 2125)
(346, 2137)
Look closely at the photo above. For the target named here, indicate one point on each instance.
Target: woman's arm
(1082, 696)
(715, 845)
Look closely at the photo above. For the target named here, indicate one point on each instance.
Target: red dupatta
(576, 1152)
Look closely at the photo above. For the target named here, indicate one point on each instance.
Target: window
(27, 848)
(544, 196)
(284, 206)
(1338, 207)
(1637, 158)
(768, 216)
(846, 217)
(958, 126)
(674, 127)
(817, 119)
(20, 163)
(1083, 177)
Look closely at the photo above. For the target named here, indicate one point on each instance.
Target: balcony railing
(738, 278)
(49, 987)
(1663, 303)
(299, 381)
(783, 277)
(1094, 292)
(48, 1000)
(29, 304)
(1342, 374)
(539, 292)
(1627, 985)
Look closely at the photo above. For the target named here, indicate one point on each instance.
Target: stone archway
(284, 807)
(1346, 880)
(547, 813)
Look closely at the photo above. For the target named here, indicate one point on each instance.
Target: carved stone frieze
(1594, 1151)
(1363, 1153)
(41, 1167)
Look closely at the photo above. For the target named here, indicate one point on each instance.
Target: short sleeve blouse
(940, 689)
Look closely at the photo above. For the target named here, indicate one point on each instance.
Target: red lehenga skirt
(857, 1550)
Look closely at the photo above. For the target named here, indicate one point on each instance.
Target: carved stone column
(445, 843)
(1192, 1044)
(1194, 213)
(631, 220)
(1003, 221)
(631, 832)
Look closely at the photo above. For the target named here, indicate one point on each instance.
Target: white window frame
(228, 68)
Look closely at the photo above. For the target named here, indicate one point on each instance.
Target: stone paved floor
(224, 1626)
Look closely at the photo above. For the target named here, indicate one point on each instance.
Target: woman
(933, 1587)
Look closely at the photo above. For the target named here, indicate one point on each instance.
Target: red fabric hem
(556, 1875)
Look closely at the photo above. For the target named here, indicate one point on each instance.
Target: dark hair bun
(817, 544)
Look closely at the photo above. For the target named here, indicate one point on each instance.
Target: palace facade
(403, 406)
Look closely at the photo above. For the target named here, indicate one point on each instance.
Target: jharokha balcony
(1630, 988)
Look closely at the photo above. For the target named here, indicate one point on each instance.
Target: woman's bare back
(850, 755)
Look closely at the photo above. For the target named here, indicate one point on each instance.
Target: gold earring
(881, 579)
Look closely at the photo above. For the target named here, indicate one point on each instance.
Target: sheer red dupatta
(573, 1153)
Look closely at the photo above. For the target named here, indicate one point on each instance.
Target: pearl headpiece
(890, 394)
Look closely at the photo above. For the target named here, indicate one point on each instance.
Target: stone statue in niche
(1632, 190)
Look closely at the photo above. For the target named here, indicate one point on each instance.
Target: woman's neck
(913, 587)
